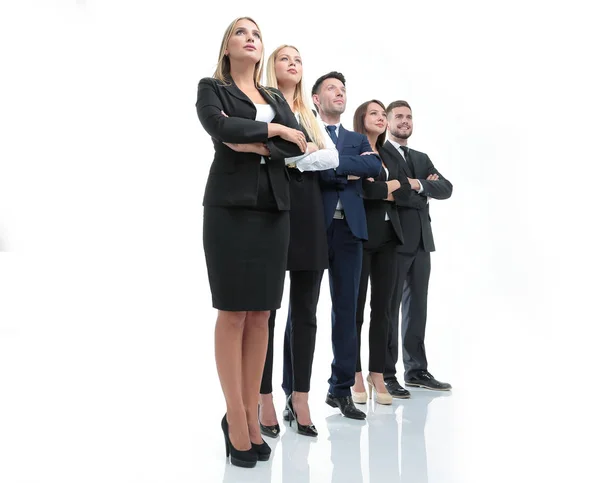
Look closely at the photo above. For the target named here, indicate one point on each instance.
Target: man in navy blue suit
(346, 225)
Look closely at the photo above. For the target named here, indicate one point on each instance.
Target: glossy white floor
(128, 393)
(390, 446)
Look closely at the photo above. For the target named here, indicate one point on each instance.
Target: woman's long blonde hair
(223, 70)
(307, 118)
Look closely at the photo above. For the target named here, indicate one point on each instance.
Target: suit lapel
(341, 136)
(391, 163)
(393, 152)
(236, 91)
(416, 164)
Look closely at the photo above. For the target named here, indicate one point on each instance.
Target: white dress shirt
(264, 113)
(339, 206)
(321, 159)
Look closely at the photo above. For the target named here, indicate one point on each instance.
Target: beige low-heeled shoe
(380, 397)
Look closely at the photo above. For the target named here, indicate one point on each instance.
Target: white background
(106, 326)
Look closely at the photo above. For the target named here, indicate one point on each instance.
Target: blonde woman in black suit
(307, 258)
(246, 223)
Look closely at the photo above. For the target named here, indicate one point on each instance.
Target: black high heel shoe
(270, 431)
(309, 430)
(263, 451)
(245, 459)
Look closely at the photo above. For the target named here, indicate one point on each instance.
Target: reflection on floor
(390, 446)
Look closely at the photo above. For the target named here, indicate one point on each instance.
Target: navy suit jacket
(335, 184)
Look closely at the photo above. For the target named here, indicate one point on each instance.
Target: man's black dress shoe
(396, 390)
(346, 406)
(426, 380)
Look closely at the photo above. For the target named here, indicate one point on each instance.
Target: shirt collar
(397, 146)
(337, 126)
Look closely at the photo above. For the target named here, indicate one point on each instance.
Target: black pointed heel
(245, 459)
(270, 431)
(309, 430)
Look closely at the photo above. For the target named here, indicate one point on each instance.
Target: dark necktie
(409, 164)
(332, 134)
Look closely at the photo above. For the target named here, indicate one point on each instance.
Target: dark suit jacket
(376, 206)
(233, 176)
(335, 184)
(414, 211)
(308, 248)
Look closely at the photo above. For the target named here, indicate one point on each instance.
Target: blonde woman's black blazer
(233, 176)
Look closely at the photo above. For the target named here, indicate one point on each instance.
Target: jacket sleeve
(414, 200)
(377, 190)
(403, 193)
(220, 127)
(440, 189)
(330, 179)
(279, 147)
(367, 166)
(374, 190)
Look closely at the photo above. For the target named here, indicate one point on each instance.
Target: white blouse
(264, 113)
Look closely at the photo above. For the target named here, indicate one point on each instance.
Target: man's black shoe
(426, 380)
(396, 390)
(346, 406)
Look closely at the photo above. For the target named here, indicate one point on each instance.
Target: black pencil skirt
(246, 253)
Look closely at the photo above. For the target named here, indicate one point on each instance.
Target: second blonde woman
(307, 256)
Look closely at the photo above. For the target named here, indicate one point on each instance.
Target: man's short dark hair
(332, 75)
(395, 104)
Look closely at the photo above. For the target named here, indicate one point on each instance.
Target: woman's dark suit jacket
(233, 178)
(308, 236)
(375, 192)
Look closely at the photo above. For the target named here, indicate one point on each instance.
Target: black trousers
(411, 289)
(300, 334)
(379, 264)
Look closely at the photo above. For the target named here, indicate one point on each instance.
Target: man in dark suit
(346, 226)
(414, 260)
